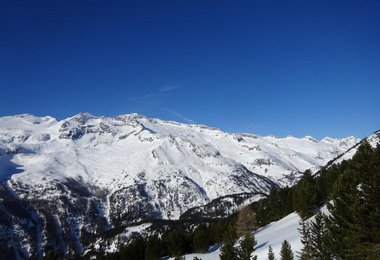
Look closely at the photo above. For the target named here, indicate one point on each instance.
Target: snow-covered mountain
(373, 140)
(64, 182)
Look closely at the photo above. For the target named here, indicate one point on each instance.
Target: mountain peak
(131, 116)
(310, 138)
(83, 117)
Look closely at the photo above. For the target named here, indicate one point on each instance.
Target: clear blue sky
(265, 67)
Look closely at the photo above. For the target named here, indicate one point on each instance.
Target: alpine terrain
(63, 183)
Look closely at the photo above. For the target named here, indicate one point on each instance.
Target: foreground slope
(272, 235)
(64, 182)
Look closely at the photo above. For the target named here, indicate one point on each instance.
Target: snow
(272, 235)
(114, 153)
(114, 245)
(275, 233)
(177, 166)
(373, 140)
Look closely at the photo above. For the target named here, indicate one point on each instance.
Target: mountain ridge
(75, 178)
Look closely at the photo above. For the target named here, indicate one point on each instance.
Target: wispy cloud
(145, 97)
(168, 88)
(160, 93)
(180, 116)
(156, 102)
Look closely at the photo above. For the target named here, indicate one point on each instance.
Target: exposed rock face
(65, 182)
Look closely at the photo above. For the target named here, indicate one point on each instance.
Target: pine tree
(366, 228)
(134, 250)
(272, 209)
(306, 197)
(314, 237)
(318, 238)
(176, 242)
(229, 233)
(216, 232)
(153, 248)
(247, 246)
(200, 239)
(228, 251)
(353, 226)
(306, 252)
(286, 252)
(271, 254)
(342, 216)
(289, 201)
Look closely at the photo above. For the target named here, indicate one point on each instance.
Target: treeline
(176, 241)
(311, 191)
(351, 191)
(352, 229)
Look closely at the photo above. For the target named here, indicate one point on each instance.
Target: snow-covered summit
(342, 142)
(160, 157)
(135, 143)
(373, 140)
(84, 174)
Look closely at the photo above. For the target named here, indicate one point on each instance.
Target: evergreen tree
(353, 226)
(272, 209)
(306, 252)
(289, 200)
(247, 246)
(228, 251)
(200, 239)
(134, 250)
(286, 252)
(306, 197)
(314, 237)
(318, 238)
(271, 254)
(229, 233)
(342, 216)
(153, 248)
(216, 231)
(177, 242)
(366, 227)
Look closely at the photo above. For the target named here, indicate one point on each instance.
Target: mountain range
(63, 183)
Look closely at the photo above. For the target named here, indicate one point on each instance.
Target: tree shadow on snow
(261, 245)
(214, 248)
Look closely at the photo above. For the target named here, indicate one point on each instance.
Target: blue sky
(264, 67)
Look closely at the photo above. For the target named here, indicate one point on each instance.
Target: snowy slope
(272, 235)
(104, 150)
(64, 182)
(373, 140)
(117, 153)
